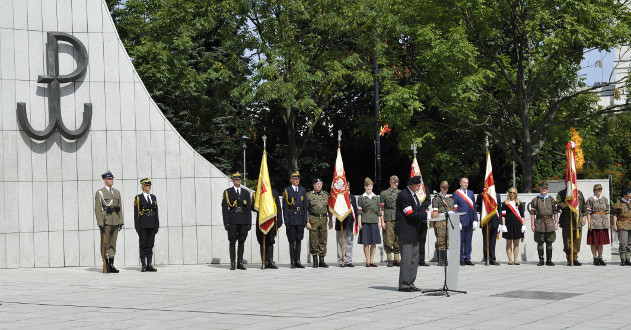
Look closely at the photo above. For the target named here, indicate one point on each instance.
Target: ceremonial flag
(571, 195)
(489, 207)
(420, 194)
(384, 130)
(264, 200)
(339, 200)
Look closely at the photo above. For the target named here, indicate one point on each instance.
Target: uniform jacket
(409, 215)
(145, 214)
(593, 205)
(349, 221)
(622, 211)
(389, 203)
(495, 220)
(564, 218)
(369, 208)
(236, 210)
(114, 218)
(318, 203)
(462, 205)
(295, 206)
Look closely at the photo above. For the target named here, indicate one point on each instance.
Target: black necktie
(149, 199)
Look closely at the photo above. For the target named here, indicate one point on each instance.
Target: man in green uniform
(622, 224)
(442, 203)
(571, 250)
(318, 206)
(109, 217)
(388, 205)
(544, 221)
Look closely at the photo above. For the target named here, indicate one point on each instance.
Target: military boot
(233, 256)
(322, 263)
(540, 252)
(270, 257)
(240, 257)
(144, 264)
(627, 262)
(292, 254)
(298, 246)
(549, 257)
(596, 261)
(315, 261)
(621, 263)
(601, 261)
(263, 257)
(149, 266)
(577, 263)
(442, 257)
(112, 268)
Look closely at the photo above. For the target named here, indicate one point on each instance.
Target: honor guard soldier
(544, 220)
(268, 240)
(237, 218)
(388, 205)
(295, 217)
(147, 223)
(109, 217)
(318, 206)
(569, 228)
(622, 224)
(442, 203)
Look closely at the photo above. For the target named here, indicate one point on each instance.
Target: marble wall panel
(188, 202)
(132, 252)
(95, 51)
(40, 249)
(203, 208)
(216, 195)
(204, 248)
(34, 8)
(141, 106)
(55, 207)
(158, 154)
(120, 247)
(108, 23)
(1, 160)
(97, 98)
(143, 154)
(27, 252)
(8, 102)
(21, 44)
(64, 16)
(174, 203)
(53, 158)
(86, 248)
(79, 16)
(128, 118)
(12, 252)
(219, 245)
(40, 207)
(114, 154)
(20, 15)
(155, 116)
(70, 205)
(85, 200)
(175, 246)
(68, 159)
(187, 160)
(11, 209)
(189, 245)
(161, 246)
(56, 248)
(99, 154)
(110, 57)
(3, 224)
(113, 106)
(6, 14)
(25, 206)
(129, 189)
(172, 147)
(35, 105)
(95, 17)
(202, 167)
(49, 15)
(128, 151)
(125, 67)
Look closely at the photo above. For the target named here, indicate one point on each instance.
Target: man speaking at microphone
(410, 214)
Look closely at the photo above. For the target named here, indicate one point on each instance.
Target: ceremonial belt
(238, 208)
(150, 213)
(599, 212)
(544, 217)
(370, 212)
(318, 215)
(297, 208)
(624, 219)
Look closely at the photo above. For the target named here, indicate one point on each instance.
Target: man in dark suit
(410, 214)
(237, 218)
(463, 202)
(147, 223)
(295, 217)
(493, 226)
(270, 237)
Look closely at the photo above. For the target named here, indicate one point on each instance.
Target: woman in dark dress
(369, 220)
(513, 227)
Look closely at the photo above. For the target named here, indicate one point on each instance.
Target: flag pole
(569, 155)
(488, 248)
(339, 143)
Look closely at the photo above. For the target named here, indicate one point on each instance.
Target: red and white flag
(489, 207)
(414, 171)
(339, 200)
(571, 196)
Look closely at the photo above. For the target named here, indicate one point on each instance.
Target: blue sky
(592, 72)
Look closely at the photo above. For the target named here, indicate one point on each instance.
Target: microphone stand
(445, 289)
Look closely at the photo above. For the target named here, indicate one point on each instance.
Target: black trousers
(270, 237)
(492, 240)
(422, 237)
(295, 233)
(238, 233)
(146, 236)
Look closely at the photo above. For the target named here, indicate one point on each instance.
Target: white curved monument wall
(47, 187)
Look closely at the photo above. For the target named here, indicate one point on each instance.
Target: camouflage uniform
(317, 205)
(388, 205)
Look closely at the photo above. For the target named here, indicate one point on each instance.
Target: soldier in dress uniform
(270, 237)
(622, 224)
(571, 250)
(295, 217)
(318, 206)
(388, 205)
(147, 223)
(544, 221)
(109, 217)
(598, 224)
(442, 203)
(236, 209)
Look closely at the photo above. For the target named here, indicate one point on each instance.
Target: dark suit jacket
(149, 217)
(295, 206)
(348, 222)
(461, 205)
(409, 216)
(495, 220)
(239, 213)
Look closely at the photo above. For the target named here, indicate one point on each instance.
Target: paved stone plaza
(211, 296)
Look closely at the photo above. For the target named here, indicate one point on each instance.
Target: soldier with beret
(571, 227)
(388, 205)
(442, 203)
(369, 220)
(236, 209)
(318, 206)
(622, 224)
(544, 222)
(109, 217)
(598, 224)
(295, 216)
(147, 223)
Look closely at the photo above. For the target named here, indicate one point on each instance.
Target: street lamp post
(244, 145)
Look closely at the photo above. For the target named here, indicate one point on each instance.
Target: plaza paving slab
(213, 297)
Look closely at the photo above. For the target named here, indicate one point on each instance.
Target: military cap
(107, 175)
(295, 175)
(626, 191)
(598, 186)
(444, 184)
(236, 176)
(368, 182)
(543, 185)
(414, 180)
(145, 181)
(394, 178)
(316, 180)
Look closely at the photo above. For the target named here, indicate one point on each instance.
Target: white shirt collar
(145, 194)
(624, 200)
(441, 194)
(372, 194)
(544, 197)
(597, 198)
(463, 190)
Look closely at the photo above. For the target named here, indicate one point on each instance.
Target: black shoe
(315, 261)
(469, 263)
(297, 264)
(549, 262)
(112, 268)
(569, 263)
(350, 265)
(415, 289)
(423, 263)
(233, 265)
(462, 263)
(149, 266)
(626, 262)
(322, 263)
(577, 263)
(602, 262)
(494, 263)
(622, 262)
(396, 263)
(144, 264)
(541, 263)
(342, 265)
(596, 262)
(240, 265)
(410, 289)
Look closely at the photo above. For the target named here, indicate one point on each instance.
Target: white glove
(460, 226)
(504, 229)
(523, 228)
(475, 225)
